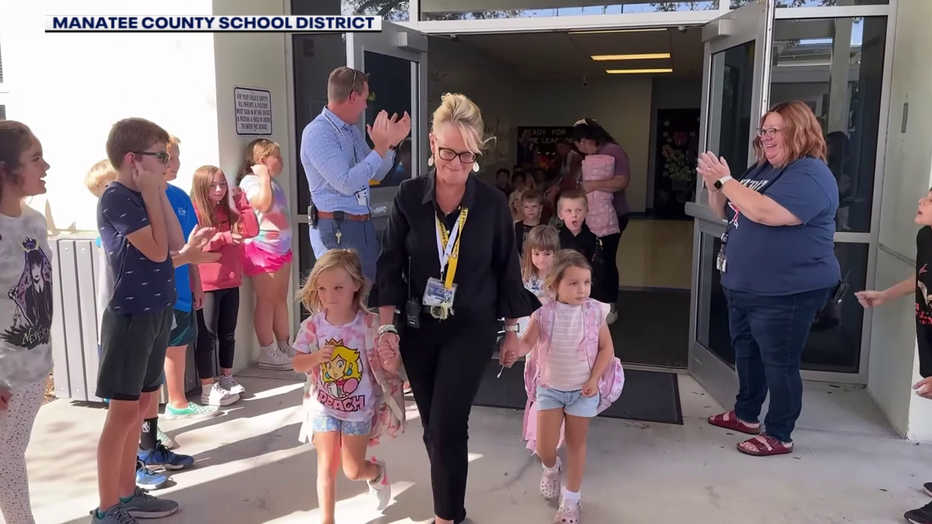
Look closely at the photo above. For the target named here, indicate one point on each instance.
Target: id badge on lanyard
(721, 261)
(440, 294)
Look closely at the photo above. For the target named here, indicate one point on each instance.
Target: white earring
(430, 161)
(475, 167)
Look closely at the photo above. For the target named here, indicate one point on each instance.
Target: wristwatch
(721, 181)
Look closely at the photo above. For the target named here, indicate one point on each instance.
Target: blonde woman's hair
(563, 260)
(99, 177)
(460, 111)
(346, 259)
(539, 238)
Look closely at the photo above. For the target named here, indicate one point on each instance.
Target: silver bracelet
(387, 328)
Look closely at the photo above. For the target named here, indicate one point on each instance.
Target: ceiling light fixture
(642, 56)
(636, 71)
(610, 31)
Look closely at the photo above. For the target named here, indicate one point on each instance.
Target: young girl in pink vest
(571, 374)
(353, 395)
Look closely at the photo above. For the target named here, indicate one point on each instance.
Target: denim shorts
(326, 423)
(573, 402)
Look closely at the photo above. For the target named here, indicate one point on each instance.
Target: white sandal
(568, 512)
(550, 482)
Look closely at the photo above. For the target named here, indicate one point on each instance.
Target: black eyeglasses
(161, 155)
(466, 157)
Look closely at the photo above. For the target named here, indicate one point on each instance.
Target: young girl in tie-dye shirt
(353, 394)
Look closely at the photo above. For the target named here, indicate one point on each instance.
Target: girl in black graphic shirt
(920, 284)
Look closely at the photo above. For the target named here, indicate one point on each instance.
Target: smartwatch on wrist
(721, 181)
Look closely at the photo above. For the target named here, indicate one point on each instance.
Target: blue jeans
(768, 334)
(353, 235)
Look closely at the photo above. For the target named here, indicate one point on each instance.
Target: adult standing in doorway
(451, 307)
(592, 139)
(778, 267)
(339, 166)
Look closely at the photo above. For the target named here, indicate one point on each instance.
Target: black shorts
(185, 330)
(132, 353)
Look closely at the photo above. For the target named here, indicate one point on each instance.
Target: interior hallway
(848, 467)
(656, 254)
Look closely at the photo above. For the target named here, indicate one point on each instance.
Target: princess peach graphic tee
(344, 384)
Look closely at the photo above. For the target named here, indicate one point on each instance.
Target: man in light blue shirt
(339, 165)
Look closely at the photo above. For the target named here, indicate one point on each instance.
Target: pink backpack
(602, 218)
(611, 383)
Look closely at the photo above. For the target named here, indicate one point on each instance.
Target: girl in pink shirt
(216, 320)
(571, 375)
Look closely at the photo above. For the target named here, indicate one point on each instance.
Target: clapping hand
(380, 130)
(193, 250)
(712, 169)
(400, 128)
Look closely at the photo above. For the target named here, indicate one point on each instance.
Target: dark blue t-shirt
(139, 284)
(184, 210)
(785, 260)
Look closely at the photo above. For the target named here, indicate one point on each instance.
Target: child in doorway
(268, 255)
(26, 310)
(920, 285)
(97, 179)
(531, 205)
(235, 221)
(542, 242)
(353, 393)
(138, 230)
(573, 208)
(571, 375)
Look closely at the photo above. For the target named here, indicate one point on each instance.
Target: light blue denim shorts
(573, 402)
(326, 423)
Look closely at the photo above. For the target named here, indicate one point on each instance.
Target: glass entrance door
(396, 61)
(736, 86)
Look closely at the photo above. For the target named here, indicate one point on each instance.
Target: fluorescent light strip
(642, 56)
(636, 71)
(609, 31)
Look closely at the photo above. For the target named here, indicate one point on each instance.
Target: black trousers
(445, 361)
(610, 280)
(216, 327)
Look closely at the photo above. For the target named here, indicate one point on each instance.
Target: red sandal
(765, 446)
(730, 421)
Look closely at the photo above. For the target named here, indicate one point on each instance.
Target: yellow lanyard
(455, 253)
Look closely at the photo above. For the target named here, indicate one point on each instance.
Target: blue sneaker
(164, 458)
(147, 479)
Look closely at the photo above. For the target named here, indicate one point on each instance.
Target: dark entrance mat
(649, 396)
(652, 327)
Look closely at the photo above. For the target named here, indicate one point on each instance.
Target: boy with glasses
(138, 229)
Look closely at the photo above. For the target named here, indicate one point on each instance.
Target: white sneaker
(215, 395)
(272, 358)
(286, 348)
(612, 316)
(228, 383)
(380, 489)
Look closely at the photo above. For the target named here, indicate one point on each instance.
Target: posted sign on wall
(253, 111)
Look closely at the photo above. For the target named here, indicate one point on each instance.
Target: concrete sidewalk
(848, 467)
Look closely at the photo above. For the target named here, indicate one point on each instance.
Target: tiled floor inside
(848, 467)
(656, 254)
